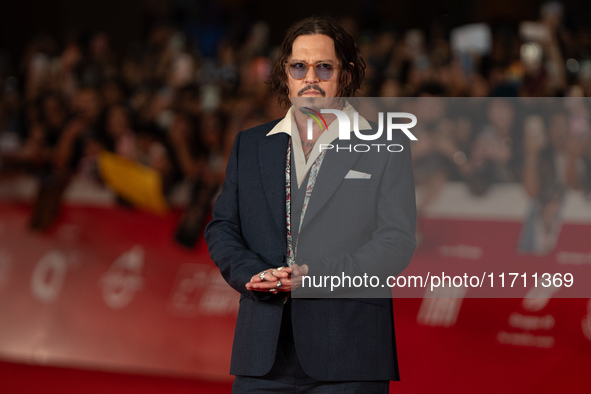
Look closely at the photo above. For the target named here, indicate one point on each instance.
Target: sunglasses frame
(314, 65)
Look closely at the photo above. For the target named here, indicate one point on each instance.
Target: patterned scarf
(292, 249)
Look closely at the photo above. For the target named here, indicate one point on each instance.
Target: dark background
(128, 20)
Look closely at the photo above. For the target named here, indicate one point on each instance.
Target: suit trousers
(288, 376)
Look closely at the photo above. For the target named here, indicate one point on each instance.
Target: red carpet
(25, 379)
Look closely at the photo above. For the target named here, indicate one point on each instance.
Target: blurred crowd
(175, 107)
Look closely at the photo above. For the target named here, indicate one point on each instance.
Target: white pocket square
(352, 174)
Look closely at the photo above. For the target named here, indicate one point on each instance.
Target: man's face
(313, 50)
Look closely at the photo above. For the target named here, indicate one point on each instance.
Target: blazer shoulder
(260, 130)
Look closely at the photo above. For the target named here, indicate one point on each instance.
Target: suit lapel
(272, 151)
(332, 172)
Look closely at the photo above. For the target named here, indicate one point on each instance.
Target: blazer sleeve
(223, 234)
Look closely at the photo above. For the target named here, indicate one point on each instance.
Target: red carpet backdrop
(108, 289)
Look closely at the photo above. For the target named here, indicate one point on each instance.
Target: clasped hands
(278, 279)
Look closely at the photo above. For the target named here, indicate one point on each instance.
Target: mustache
(312, 87)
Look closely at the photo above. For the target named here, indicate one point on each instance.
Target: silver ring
(279, 284)
(262, 275)
(272, 290)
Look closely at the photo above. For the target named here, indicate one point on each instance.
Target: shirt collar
(284, 125)
(301, 165)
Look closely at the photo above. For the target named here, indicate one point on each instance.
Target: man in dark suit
(289, 209)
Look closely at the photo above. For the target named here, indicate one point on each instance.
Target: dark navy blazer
(351, 225)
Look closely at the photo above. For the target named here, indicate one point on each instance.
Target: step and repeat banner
(109, 288)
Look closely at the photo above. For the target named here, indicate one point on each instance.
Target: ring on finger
(262, 275)
(273, 290)
(279, 284)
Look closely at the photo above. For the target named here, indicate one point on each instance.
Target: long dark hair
(350, 76)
